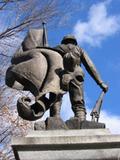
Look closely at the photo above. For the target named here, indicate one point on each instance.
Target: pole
(45, 42)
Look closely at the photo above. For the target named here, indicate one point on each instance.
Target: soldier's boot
(80, 113)
(55, 109)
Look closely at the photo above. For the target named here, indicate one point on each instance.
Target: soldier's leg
(55, 109)
(77, 99)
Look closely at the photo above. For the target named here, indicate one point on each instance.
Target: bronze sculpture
(41, 70)
(73, 76)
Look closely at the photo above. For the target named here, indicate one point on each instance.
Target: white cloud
(99, 26)
(112, 121)
(66, 111)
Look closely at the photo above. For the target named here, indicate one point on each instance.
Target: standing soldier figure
(72, 77)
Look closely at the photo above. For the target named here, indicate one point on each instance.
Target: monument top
(37, 68)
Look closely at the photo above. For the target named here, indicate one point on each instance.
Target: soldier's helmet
(69, 39)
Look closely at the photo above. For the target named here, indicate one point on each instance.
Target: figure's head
(69, 39)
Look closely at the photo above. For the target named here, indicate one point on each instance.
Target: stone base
(55, 123)
(75, 123)
(52, 123)
(88, 144)
(91, 125)
(40, 125)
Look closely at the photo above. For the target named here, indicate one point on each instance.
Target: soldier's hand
(104, 87)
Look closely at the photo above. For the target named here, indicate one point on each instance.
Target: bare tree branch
(32, 15)
(1, 54)
(4, 3)
(24, 14)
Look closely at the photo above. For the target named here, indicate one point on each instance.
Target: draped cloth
(35, 70)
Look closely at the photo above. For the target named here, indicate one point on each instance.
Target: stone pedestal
(75, 123)
(84, 144)
(54, 123)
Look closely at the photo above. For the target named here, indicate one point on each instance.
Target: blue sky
(97, 28)
(96, 25)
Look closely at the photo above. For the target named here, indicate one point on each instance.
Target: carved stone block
(55, 123)
(75, 123)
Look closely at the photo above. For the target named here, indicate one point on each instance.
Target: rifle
(97, 108)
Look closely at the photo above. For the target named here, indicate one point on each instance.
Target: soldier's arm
(91, 69)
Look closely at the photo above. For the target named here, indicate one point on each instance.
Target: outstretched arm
(90, 67)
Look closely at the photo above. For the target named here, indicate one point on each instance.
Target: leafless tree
(25, 14)
(16, 18)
